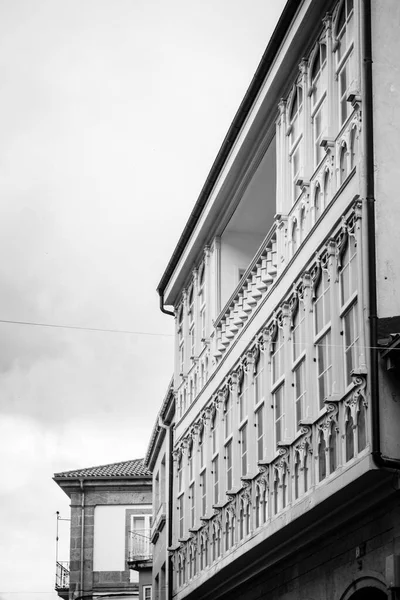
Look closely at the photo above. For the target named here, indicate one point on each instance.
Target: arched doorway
(369, 593)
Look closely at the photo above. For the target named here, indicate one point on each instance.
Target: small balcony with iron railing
(62, 579)
(140, 549)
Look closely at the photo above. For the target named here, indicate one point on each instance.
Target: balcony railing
(319, 453)
(139, 553)
(251, 290)
(62, 575)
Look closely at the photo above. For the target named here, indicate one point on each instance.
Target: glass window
(259, 382)
(202, 304)
(279, 414)
(201, 447)
(322, 307)
(214, 438)
(348, 272)
(192, 505)
(243, 450)
(203, 487)
(343, 172)
(302, 224)
(260, 432)
(351, 337)
(181, 515)
(345, 38)
(321, 458)
(294, 237)
(229, 472)
(190, 462)
(299, 391)
(317, 203)
(228, 416)
(243, 395)
(345, 27)
(318, 75)
(324, 368)
(319, 125)
(215, 470)
(298, 332)
(318, 101)
(327, 189)
(353, 148)
(180, 473)
(332, 449)
(277, 356)
(147, 592)
(296, 133)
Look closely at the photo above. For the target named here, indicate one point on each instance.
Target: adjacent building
(285, 289)
(110, 550)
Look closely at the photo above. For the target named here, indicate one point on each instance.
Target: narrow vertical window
(243, 450)
(181, 341)
(322, 315)
(296, 475)
(228, 458)
(317, 203)
(326, 189)
(296, 140)
(215, 470)
(279, 414)
(318, 101)
(202, 304)
(321, 458)
(201, 447)
(302, 224)
(299, 357)
(361, 428)
(345, 54)
(353, 148)
(349, 433)
(192, 505)
(260, 432)
(214, 433)
(203, 487)
(332, 449)
(324, 368)
(294, 237)
(299, 391)
(343, 164)
(277, 356)
(192, 329)
(180, 473)
(228, 416)
(181, 515)
(349, 311)
(350, 322)
(259, 382)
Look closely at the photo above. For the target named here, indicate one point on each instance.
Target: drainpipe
(169, 435)
(82, 530)
(379, 460)
(170, 505)
(164, 310)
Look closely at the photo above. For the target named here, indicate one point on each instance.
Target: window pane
(324, 365)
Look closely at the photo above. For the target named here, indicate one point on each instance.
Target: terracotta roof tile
(129, 468)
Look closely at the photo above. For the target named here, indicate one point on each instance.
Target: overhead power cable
(79, 328)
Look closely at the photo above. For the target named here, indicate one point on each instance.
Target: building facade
(110, 550)
(159, 460)
(284, 291)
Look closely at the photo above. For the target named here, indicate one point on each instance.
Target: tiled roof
(129, 468)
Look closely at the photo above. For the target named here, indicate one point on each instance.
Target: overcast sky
(111, 114)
